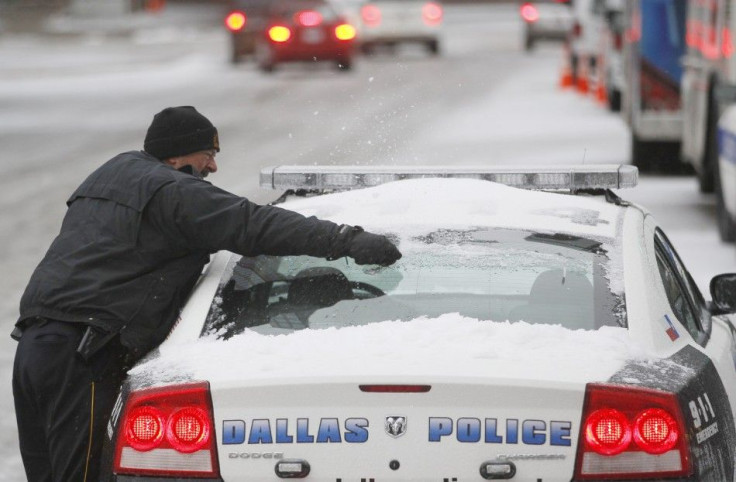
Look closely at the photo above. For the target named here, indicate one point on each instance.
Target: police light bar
(548, 178)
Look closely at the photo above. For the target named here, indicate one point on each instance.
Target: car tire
(344, 65)
(433, 46)
(528, 43)
(614, 100)
(264, 58)
(726, 223)
(706, 173)
(656, 156)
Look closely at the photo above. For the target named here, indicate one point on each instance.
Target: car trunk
(398, 427)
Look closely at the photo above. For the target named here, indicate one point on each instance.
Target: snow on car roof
(413, 205)
(448, 345)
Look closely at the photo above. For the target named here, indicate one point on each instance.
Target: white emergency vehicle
(537, 327)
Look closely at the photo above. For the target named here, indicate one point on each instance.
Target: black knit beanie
(178, 131)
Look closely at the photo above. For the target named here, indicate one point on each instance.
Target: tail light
(279, 33)
(529, 13)
(371, 15)
(168, 431)
(432, 13)
(726, 43)
(577, 30)
(308, 18)
(345, 31)
(630, 432)
(235, 21)
(618, 41)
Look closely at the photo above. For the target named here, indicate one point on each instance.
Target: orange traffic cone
(582, 84)
(601, 91)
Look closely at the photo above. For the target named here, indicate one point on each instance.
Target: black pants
(62, 404)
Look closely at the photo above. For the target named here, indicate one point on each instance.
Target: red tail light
(529, 13)
(577, 30)
(168, 431)
(726, 43)
(279, 33)
(308, 18)
(371, 15)
(432, 13)
(630, 432)
(395, 388)
(235, 21)
(345, 31)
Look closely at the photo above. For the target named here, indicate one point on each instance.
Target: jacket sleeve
(205, 217)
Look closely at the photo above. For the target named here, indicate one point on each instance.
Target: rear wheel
(344, 65)
(264, 58)
(706, 174)
(433, 46)
(614, 100)
(656, 156)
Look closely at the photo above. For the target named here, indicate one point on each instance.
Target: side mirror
(723, 292)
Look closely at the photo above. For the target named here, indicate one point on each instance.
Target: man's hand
(369, 248)
(364, 248)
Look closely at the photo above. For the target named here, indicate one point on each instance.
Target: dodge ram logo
(395, 426)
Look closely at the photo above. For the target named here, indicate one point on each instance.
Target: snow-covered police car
(537, 328)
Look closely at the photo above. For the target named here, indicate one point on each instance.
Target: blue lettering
(468, 430)
(282, 431)
(329, 431)
(302, 431)
(356, 431)
(260, 432)
(492, 436)
(559, 433)
(512, 431)
(439, 427)
(530, 432)
(233, 432)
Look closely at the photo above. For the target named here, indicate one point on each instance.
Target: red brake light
(656, 431)
(144, 428)
(235, 21)
(529, 12)
(432, 13)
(345, 31)
(631, 432)
(607, 431)
(395, 388)
(189, 429)
(279, 33)
(167, 431)
(371, 15)
(308, 18)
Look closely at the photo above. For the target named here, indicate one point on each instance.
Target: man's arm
(211, 219)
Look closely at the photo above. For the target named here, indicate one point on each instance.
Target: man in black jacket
(136, 236)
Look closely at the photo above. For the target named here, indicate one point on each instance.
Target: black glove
(364, 247)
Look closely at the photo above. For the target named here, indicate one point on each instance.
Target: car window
(684, 297)
(494, 275)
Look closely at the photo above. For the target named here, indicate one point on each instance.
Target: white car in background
(389, 23)
(523, 335)
(545, 20)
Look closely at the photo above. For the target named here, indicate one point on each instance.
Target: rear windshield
(496, 275)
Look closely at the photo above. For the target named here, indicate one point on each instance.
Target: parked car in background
(305, 31)
(545, 20)
(725, 178)
(245, 21)
(389, 23)
(654, 45)
(708, 84)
